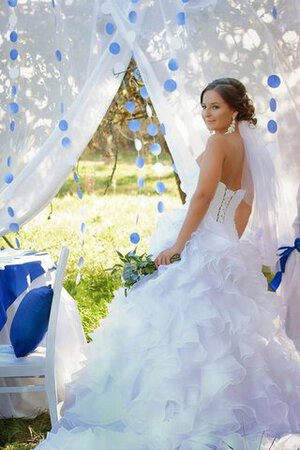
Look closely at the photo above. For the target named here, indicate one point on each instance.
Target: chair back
(52, 327)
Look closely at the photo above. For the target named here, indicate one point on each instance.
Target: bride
(195, 357)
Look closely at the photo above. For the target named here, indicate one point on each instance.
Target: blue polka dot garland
(141, 182)
(130, 106)
(13, 108)
(13, 54)
(160, 187)
(274, 81)
(12, 3)
(155, 149)
(134, 125)
(10, 211)
(273, 104)
(272, 126)
(152, 129)
(144, 92)
(173, 64)
(140, 162)
(63, 125)
(12, 126)
(135, 238)
(66, 142)
(110, 28)
(132, 16)
(160, 207)
(14, 227)
(274, 12)
(170, 85)
(13, 36)
(58, 55)
(8, 178)
(180, 18)
(114, 48)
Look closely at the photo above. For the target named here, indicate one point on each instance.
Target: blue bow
(283, 257)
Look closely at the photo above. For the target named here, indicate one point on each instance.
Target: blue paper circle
(8, 178)
(80, 261)
(274, 12)
(135, 238)
(13, 90)
(66, 142)
(160, 187)
(134, 125)
(144, 92)
(9, 161)
(155, 149)
(132, 16)
(13, 54)
(185, 1)
(180, 17)
(130, 106)
(17, 243)
(273, 104)
(274, 81)
(12, 3)
(170, 85)
(79, 193)
(134, 1)
(13, 107)
(173, 64)
(160, 207)
(140, 182)
(63, 125)
(82, 227)
(152, 129)
(12, 126)
(13, 36)
(272, 126)
(114, 48)
(76, 177)
(58, 55)
(10, 211)
(140, 162)
(163, 129)
(110, 28)
(14, 227)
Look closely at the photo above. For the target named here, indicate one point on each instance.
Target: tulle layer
(193, 358)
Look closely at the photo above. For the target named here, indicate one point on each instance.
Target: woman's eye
(215, 107)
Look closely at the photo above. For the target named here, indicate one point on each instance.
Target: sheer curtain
(63, 81)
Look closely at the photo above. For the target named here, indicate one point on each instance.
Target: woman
(195, 357)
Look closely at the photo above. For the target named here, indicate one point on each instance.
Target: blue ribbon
(283, 257)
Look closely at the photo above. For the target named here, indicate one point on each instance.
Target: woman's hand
(165, 256)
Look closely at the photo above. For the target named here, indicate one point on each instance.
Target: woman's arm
(211, 171)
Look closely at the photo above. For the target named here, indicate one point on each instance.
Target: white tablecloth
(70, 340)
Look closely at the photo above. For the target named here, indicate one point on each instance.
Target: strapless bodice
(224, 204)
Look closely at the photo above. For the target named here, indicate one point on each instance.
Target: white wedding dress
(194, 358)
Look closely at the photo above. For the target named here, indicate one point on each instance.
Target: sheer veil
(261, 186)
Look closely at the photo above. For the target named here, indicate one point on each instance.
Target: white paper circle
(158, 168)
(176, 43)
(13, 20)
(138, 144)
(149, 111)
(105, 8)
(14, 72)
(131, 35)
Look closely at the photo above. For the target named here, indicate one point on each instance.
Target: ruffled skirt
(194, 358)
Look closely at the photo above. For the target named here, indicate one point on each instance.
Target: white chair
(40, 364)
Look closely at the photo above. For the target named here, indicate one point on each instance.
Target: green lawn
(109, 221)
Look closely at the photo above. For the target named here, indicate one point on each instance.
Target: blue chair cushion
(30, 322)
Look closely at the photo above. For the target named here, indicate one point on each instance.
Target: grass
(109, 221)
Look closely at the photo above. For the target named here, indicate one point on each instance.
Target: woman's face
(216, 113)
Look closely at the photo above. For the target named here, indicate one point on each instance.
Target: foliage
(134, 267)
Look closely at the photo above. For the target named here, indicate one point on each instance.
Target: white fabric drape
(249, 40)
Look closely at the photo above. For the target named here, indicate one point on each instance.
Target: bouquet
(134, 267)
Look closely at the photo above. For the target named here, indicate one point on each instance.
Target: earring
(231, 128)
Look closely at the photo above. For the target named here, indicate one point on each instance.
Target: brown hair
(235, 95)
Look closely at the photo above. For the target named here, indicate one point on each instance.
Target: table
(21, 271)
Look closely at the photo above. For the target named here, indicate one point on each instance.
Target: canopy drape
(58, 66)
